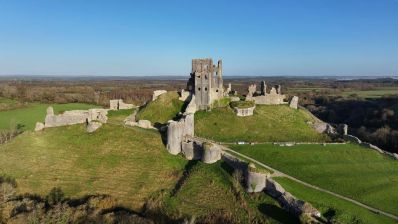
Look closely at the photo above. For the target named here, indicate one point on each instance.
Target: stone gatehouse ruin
(206, 82)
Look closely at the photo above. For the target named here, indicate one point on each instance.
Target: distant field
(35, 112)
(9, 104)
(331, 207)
(349, 169)
(127, 163)
(372, 93)
(163, 109)
(269, 123)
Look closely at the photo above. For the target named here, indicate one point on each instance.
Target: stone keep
(204, 83)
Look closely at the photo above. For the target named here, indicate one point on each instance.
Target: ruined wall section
(274, 97)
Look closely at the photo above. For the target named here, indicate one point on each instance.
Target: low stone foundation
(244, 112)
(74, 117)
(118, 104)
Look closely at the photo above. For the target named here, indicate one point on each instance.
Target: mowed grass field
(34, 112)
(164, 108)
(335, 209)
(348, 169)
(127, 163)
(271, 123)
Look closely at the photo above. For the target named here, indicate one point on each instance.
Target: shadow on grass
(277, 213)
(187, 171)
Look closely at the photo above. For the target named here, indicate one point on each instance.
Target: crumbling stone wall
(274, 97)
(177, 130)
(294, 102)
(118, 104)
(72, 117)
(157, 93)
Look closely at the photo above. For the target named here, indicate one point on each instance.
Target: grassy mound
(126, 163)
(32, 113)
(210, 190)
(269, 123)
(350, 170)
(163, 109)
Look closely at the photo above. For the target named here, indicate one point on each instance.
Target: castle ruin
(274, 97)
(206, 82)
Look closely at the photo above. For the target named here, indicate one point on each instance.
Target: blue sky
(265, 37)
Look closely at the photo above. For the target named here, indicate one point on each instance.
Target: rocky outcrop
(157, 93)
(39, 126)
(211, 153)
(322, 127)
(294, 102)
(93, 126)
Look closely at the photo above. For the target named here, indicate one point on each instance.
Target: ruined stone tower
(206, 82)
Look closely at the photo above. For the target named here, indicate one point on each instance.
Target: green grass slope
(127, 163)
(334, 209)
(208, 190)
(269, 123)
(348, 169)
(35, 112)
(163, 109)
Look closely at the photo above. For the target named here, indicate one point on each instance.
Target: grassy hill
(31, 113)
(131, 165)
(348, 169)
(210, 189)
(163, 109)
(127, 163)
(269, 123)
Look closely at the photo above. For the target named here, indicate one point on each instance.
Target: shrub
(55, 196)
